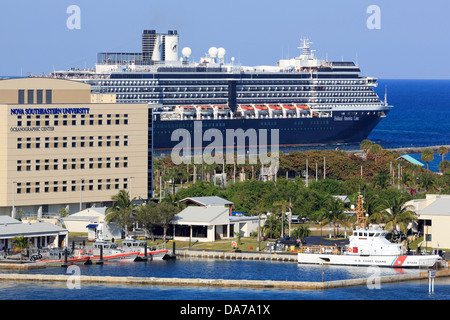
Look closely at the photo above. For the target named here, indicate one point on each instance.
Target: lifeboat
(274, 107)
(246, 107)
(223, 109)
(187, 109)
(301, 106)
(260, 107)
(288, 107)
(206, 110)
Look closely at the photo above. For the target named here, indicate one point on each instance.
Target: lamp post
(13, 212)
(81, 195)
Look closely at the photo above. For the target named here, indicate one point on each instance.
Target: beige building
(60, 150)
(434, 220)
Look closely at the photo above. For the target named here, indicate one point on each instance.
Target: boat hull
(392, 261)
(293, 132)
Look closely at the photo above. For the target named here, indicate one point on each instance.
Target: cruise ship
(309, 100)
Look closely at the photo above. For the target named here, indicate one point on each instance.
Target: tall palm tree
(397, 213)
(406, 179)
(283, 204)
(335, 214)
(442, 151)
(121, 212)
(365, 146)
(376, 151)
(427, 156)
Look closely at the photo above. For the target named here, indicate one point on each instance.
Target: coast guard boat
(140, 250)
(368, 247)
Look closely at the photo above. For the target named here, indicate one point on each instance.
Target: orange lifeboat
(246, 107)
(261, 107)
(300, 106)
(289, 107)
(274, 107)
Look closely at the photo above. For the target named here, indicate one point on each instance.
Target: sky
(411, 39)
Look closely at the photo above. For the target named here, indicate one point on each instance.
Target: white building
(210, 219)
(434, 220)
(92, 222)
(42, 234)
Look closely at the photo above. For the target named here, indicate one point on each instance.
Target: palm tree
(365, 146)
(444, 166)
(442, 151)
(283, 204)
(381, 179)
(397, 213)
(121, 212)
(427, 156)
(21, 243)
(335, 214)
(428, 181)
(376, 151)
(301, 232)
(406, 179)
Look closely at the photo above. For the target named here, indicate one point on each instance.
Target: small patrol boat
(368, 247)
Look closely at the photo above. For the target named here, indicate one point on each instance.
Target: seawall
(267, 284)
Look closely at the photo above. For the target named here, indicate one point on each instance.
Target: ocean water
(420, 116)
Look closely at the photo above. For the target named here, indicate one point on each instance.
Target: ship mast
(361, 219)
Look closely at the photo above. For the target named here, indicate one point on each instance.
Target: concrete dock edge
(262, 284)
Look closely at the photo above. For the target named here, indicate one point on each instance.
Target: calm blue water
(416, 290)
(420, 114)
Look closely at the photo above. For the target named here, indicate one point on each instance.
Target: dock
(238, 283)
(236, 255)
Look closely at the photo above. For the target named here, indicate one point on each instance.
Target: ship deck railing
(319, 249)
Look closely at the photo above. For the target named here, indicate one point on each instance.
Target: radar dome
(186, 52)
(212, 52)
(221, 53)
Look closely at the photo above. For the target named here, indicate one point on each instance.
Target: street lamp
(13, 212)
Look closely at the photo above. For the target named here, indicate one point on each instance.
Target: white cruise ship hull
(393, 261)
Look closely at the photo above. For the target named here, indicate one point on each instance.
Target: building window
(48, 96)
(39, 96)
(21, 98)
(30, 97)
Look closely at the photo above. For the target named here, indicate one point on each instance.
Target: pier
(238, 283)
(236, 255)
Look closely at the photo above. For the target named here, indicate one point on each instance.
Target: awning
(92, 226)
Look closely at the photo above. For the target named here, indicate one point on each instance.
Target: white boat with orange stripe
(139, 247)
(106, 250)
(368, 247)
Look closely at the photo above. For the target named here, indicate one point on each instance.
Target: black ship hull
(347, 127)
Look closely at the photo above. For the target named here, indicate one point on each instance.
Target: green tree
(166, 214)
(397, 213)
(444, 166)
(381, 179)
(427, 156)
(147, 217)
(428, 181)
(121, 212)
(301, 232)
(335, 214)
(442, 151)
(376, 151)
(21, 243)
(365, 146)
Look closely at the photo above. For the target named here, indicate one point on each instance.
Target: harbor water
(220, 269)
